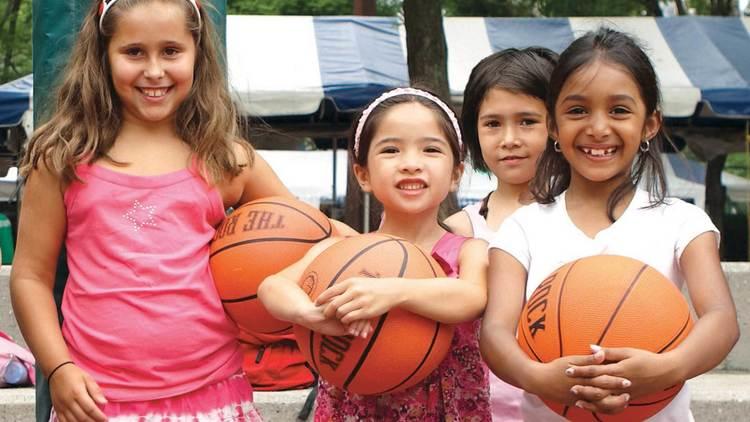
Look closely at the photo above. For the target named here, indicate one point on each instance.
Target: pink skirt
(230, 400)
(505, 401)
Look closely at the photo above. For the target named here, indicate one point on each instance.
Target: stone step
(717, 397)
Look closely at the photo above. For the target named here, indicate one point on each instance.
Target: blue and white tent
(15, 100)
(288, 65)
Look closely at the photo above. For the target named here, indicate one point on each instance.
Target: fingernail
(627, 397)
(569, 371)
(579, 404)
(574, 390)
(626, 383)
(595, 347)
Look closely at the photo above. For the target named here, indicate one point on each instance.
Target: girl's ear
(363, 177)
(458, 171)
(652, 125)
(551, 128)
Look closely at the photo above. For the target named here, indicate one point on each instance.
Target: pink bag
(12, 353)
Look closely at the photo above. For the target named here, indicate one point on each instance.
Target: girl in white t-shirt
(505, 129)
(606, 126)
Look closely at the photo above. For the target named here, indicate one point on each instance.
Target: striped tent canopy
(288, 65)
(15, 99)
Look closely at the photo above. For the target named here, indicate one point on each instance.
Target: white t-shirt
(543, 238)
(478, 223)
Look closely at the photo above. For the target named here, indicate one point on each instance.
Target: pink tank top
(142, 315)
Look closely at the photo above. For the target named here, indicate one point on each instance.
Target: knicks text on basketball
(332, 350)
(537, 309)
(254, 220)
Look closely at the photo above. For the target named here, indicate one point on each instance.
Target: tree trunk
(716, 193)
(364, 8)
(724, 7)
(681, 9)
(425, 45)
(10, 39)
(427, 58)
(653, 8)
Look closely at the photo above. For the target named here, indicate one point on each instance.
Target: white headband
(105, 5)
(406, 91)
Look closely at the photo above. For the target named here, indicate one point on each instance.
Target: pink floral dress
(458, 390)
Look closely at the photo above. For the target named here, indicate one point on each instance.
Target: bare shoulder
(460, 224)
(474, 249)
(255, 180)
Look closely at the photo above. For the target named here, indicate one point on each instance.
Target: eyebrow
(399, 140)
(618, 97)
(520, 114)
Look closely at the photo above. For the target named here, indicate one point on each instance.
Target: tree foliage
(305, 7)
(15, 39)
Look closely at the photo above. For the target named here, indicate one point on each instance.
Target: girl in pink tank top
(505, 125)
(132, 174)
(407, 151)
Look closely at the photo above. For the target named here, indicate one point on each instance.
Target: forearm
(504, 357)
(447, 300)
(283, 298)
(36, 313)
(709, 342)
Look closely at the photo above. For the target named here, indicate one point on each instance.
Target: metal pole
(333, 185)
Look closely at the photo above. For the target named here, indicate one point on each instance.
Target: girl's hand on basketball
(607, 404)
(552, 382)
(646, 372)
(361, 328)
(76, 396)
(313, 318)
(360, 298)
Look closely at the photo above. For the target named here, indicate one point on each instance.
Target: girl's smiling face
(410, 164)
(152, 59)
(600, 122)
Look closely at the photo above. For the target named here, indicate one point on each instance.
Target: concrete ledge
(717, 397)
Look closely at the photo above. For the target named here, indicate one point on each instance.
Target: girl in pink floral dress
(407, 151)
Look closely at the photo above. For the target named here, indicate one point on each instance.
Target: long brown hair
(87, 115)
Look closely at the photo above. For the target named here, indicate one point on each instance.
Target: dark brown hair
(526, 71)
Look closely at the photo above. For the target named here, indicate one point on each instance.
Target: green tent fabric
(55, 27)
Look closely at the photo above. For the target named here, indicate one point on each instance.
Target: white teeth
(599, 152)
(154, 92)
(411, 186)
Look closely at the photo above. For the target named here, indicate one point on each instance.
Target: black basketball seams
(239, 299)
(559, 306)
(381, 321)
(622, 301)
(326, 231)
(281, 204)
(265, 239)
(679, 333)
(335, 278)
(363, 357)
(530, 346)
(351, 260)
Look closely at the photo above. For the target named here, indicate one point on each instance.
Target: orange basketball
(256, 240)
(403, 348)
(612, 301)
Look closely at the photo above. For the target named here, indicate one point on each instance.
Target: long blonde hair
(88, 113)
